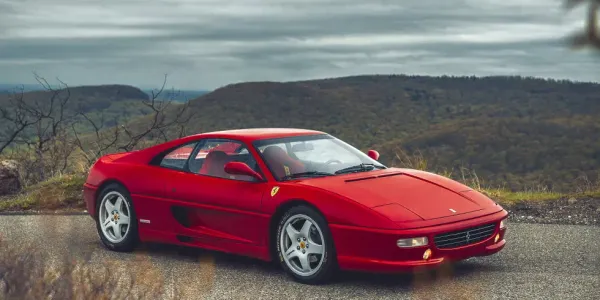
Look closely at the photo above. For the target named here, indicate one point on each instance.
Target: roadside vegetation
(63, 192)
(28, 272)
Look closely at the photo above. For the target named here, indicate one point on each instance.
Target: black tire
(328, 266)
(131, 238)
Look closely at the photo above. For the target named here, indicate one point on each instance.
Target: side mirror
(373, 154)
(240, 168)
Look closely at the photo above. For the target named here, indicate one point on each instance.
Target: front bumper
(375, 250)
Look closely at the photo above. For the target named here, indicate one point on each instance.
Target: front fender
(335, 208)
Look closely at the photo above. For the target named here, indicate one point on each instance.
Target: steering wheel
(333, 161)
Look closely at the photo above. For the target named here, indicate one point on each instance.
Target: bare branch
(158, 123)
(102, 142)
(19, 117)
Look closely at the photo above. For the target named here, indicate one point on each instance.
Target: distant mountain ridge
(514, 132)
(10, 88)
(177, 95)
(167, 94)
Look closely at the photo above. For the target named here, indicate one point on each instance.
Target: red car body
(367, 212)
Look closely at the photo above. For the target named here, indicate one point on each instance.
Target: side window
(214, 154)
(177, 158)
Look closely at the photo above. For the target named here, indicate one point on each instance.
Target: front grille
(464, 237)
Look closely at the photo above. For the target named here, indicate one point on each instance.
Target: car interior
(212, 163)
(280, 163)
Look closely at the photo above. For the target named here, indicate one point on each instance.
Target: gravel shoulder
(571, 211)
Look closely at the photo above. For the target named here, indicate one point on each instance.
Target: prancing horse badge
(274, 191)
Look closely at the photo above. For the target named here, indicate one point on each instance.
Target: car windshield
(313, 156)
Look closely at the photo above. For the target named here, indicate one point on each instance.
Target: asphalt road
(539, 262)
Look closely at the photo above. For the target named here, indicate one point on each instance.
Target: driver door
(219, 208)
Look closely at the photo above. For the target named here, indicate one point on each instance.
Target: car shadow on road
(450, 271)
(408, 280)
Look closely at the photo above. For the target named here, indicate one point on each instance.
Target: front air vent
(181, 216)
(464, 237)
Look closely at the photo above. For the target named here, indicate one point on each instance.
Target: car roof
(254, 134)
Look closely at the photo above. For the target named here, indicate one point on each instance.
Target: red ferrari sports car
(305, 198)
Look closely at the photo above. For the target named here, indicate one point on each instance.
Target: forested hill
(115, 103)
(513, 132)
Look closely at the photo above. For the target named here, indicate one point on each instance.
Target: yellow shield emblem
(274, 191)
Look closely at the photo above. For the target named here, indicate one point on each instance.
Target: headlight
(412, 242)
(502, 224)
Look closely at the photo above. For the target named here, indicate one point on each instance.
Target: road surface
(539, 262)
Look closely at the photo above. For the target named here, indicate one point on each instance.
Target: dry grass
(506, 196)
(27, 273)
(59, 192)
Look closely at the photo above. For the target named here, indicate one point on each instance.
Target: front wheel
(116, 222)
(304, 245)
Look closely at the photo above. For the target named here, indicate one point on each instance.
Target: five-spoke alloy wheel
(116, 222)
(304, 245)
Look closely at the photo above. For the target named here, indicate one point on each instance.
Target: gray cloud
(206, 44)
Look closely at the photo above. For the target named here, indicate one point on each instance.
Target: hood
(426, 195)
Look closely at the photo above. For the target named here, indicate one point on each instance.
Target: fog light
(412, 242)
(427, 254)
(497, 238)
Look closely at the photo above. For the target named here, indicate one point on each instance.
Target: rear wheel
(304, 245)
(116, 222)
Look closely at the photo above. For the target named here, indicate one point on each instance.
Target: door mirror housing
(240, 168)
(373, 154)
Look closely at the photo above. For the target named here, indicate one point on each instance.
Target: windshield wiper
(359, 168)
(307, 174)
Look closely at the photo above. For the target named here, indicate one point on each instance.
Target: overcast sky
(207, 44)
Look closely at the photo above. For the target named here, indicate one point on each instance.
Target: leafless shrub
(101, 142)
(42, 133)
(412, 161)
(159, 126)
(17, 118)
(36, 127)
(584, 184)
(50, 142)
(470, 178)
(164, 122)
